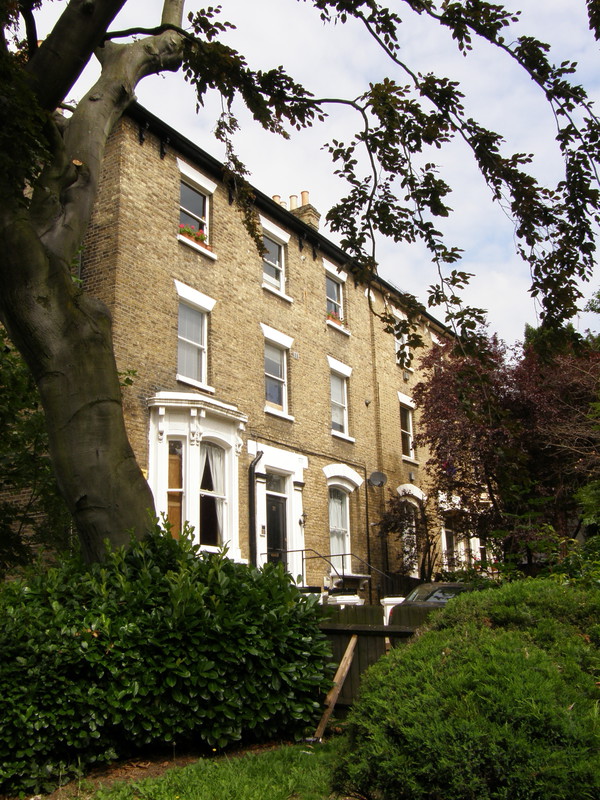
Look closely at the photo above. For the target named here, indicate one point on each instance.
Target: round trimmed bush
(159, 644)
(498, 700)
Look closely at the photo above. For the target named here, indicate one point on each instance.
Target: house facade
(268, 406)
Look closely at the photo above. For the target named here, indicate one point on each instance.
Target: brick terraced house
(268, 403)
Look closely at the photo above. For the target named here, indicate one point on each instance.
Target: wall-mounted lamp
(303, 518)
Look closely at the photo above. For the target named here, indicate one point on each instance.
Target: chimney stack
(306, 212)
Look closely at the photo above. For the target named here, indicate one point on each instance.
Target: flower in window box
(196, 236)
(334, 317)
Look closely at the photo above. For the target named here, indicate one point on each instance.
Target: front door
(276, 538)
(276, 520)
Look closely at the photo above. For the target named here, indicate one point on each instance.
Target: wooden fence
(367, 623)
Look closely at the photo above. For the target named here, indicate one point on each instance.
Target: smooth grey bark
(64, 334)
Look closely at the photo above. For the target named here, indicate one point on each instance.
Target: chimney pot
(277, 198)
(293, 201)
(304, 197)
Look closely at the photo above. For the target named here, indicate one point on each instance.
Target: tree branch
(25, 9)
(60, 59)
(123, 66)
(172, 12)
(110, 35)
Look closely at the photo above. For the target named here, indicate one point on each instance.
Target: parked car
(422, 600)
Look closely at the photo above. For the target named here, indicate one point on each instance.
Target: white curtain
(338, 527)
(216, 463)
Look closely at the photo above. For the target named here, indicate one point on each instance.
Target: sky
(340, 61)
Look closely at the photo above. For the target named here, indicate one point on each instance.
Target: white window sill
(344, 436)
(409, 460)
(191, 382)
(349, 573)
(406, 369)
(337, 327)
(197, 247)
(278, 292)
(277, 413)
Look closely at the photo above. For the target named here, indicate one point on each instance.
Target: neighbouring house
(268, 406)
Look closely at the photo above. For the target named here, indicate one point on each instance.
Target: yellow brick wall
(132, 257)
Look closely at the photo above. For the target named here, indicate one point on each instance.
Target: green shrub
(159, 644)
(498, 700)
(581, 565)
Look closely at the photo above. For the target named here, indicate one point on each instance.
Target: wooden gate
(367, 623)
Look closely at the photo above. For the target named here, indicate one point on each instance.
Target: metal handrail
(327, 559)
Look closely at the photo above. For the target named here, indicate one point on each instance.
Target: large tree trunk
(66, 338)
(64, 335)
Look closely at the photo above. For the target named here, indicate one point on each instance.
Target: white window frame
(281, 238)
(279, 379)
(203, 304)
(451, 556)
(339, 279)
(416, 498)
(206, 187)
(411, 536)
(278, 266)
(177, 490)
(407, 404)
(346, 480)
(201, 221)
(193, 419)
(337, 405)
(340, 537)
(334, 305)
(283, 343)
(342, 372)
(466, 551)
(220, 498)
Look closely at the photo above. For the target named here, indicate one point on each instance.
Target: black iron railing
(337, 562)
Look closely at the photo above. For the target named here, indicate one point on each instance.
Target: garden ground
(284, 766)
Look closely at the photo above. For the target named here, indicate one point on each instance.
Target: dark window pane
(209, 521)
(273, 254)
(193, 201)
(273, 391)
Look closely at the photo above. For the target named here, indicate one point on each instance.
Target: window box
(204, 249)
(339, 327)
(199, 237)
(196, 235)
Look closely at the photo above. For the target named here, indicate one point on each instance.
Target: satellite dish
(377, 479)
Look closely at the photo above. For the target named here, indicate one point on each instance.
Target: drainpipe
(252, 507)
(368, 527)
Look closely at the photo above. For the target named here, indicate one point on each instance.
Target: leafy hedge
(498, 700)
(158, 644)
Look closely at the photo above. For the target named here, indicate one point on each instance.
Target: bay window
(193, 466)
